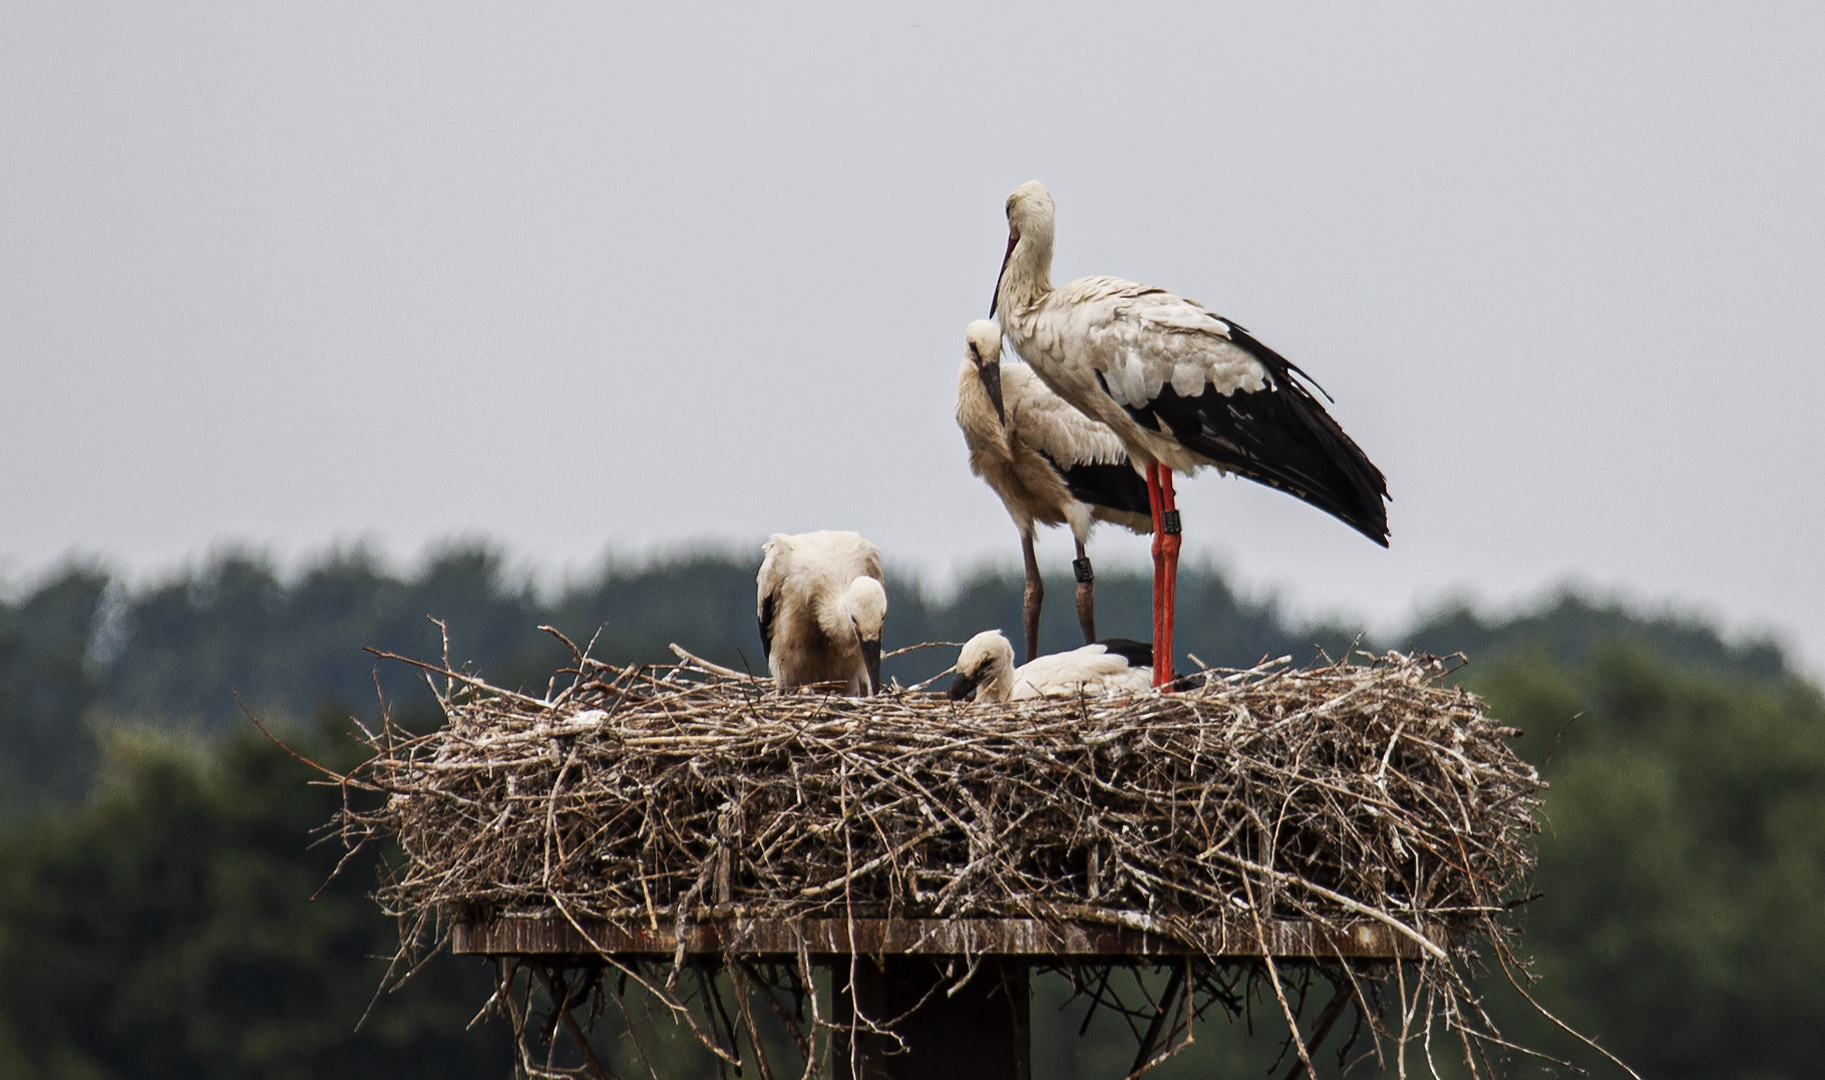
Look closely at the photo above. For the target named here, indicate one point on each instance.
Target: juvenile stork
(985, 668)
(1049, 463)
(821, 606)
(1182, 389)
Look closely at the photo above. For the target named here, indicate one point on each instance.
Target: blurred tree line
(156, 876)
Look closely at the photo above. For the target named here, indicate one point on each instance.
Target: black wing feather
(1113, 487)
(1139, 654)
(1280, 436)
(766, 625)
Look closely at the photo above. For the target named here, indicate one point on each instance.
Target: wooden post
(982, 1032)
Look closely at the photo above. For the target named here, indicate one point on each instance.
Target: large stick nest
(645, 793)
(649, 795)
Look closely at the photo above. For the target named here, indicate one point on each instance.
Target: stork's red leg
(1155, 503)
(1169, 588)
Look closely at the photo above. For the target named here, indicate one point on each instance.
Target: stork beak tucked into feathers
(990, 375)
(995, 301)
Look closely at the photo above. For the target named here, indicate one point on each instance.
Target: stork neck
(1029, 274)
(836, 620)
(976, 415)
(1000, 687)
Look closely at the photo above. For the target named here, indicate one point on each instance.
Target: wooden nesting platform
(1346, 817)
(1284, 939)
(983, 1033)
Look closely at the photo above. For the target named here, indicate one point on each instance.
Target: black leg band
(1169, 522)
(1081, 569)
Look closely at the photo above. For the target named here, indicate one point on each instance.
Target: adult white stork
(1047, 461)
(985, 668)
(821, 606)
(1182, 388)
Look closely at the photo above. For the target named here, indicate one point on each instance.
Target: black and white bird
(821, 608)
(1181, 388)
(985, 669)
(1049, 463)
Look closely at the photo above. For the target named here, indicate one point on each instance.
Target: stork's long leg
(1035, 594)
(1169, 516)
(1154, 503)
(1086, 594)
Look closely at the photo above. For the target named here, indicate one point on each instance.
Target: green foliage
(46, 691)
(1683, 866)
(167, 930)
(188, 646)
(1570, 628)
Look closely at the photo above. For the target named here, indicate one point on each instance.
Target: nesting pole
(981, 1031)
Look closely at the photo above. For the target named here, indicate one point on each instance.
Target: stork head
(1030, 216)
(985, 668)
(984, 353)
(1030, 211)
(866, 602)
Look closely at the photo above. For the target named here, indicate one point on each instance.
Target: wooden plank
(556, 936)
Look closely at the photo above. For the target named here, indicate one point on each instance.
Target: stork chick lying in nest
(986, 668)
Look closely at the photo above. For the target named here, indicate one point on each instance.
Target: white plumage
(1180, 387)
(985, 669)
(1049, 463)
(821, 607)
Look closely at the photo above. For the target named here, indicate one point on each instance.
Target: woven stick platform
(1355, 812)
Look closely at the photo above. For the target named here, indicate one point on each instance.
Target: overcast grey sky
(621, 277)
